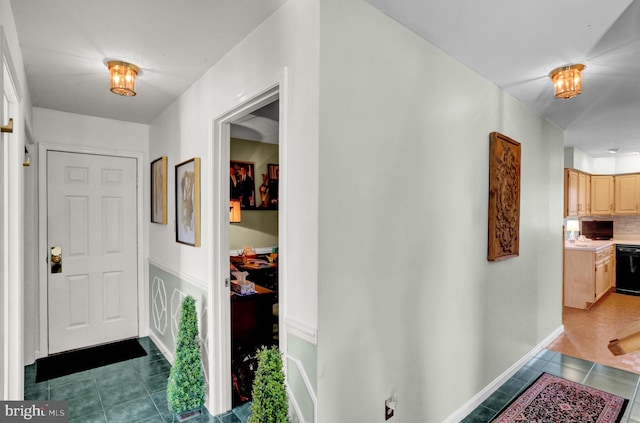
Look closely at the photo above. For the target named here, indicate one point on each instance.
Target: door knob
(8, 127)
(56, 259)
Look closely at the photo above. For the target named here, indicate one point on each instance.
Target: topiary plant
(185, 388)
(269, 393)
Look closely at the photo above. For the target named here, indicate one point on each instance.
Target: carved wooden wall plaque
(504, 197)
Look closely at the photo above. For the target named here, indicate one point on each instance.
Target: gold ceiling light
(567, 80)
(123, 77)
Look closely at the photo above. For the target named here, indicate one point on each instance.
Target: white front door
(91, 218)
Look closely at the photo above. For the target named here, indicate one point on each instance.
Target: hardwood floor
(587, 332)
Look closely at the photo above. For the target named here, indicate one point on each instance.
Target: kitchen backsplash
(622, 225)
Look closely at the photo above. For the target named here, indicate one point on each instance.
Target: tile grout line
(593, 364)
(104, 412)
(150, 397)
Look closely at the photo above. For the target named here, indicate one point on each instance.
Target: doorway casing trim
(12, 221)
(43, 148)
(220, 395)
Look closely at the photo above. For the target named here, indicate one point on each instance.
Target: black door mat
(86, 359)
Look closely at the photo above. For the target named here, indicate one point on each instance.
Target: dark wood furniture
(251, 327)
(260, 272)
(252, 318)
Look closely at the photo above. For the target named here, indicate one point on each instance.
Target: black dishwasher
(628, 269)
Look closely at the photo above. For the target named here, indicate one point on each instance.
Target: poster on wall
(188, 202)
(242, 182)
(269, 188)
(504, 197)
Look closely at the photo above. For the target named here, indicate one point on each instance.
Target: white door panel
(92, 217)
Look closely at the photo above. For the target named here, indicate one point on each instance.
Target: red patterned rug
(557, 400)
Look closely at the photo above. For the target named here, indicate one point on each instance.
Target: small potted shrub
(185, 388)
(269, 403)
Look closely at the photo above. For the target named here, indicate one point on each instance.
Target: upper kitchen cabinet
(584, 193)
(570, 192)
(627, 194)
(577, 193)
(602, 195)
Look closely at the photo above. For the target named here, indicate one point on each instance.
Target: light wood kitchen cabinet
(577, 193)
(627, 194)
(570, 192)
(588, 275)
(587, 195)
(601, 195)
(584, 183)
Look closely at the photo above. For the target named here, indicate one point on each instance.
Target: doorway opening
(244, 322)
(253, 243)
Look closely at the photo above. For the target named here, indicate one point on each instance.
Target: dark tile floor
(126, 392)
(135, 390)
(609, 379)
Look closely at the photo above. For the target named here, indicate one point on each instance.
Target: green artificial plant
(186, 388)
(269, 403)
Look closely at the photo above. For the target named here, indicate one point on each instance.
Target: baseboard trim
(161, 346)
(479, 398)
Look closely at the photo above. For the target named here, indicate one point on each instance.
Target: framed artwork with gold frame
(504, 198)
(188, 202)
(159, 190)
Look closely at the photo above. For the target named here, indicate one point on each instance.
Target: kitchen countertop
(599, 245)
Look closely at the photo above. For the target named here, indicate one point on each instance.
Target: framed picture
(188, 202)
(243, 186)
(504, 198)
(159, 190)
(269, 188)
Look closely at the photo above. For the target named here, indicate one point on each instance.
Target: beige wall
(408, 302)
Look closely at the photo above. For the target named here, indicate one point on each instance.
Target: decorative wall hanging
(188, 202)
(504, 197)
(159, 190)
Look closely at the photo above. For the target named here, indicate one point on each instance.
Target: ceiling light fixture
(567, 80)
(123, 77)
(613, 150)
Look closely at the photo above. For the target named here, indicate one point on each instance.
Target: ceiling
(515, 44)
(260, 125)
(66, 43)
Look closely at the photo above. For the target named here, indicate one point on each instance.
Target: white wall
(284, 49)
(628, 164)
(578, 159)
(408, 302)
(55, 127)
(184, 131)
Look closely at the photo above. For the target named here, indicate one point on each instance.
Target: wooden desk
(260, 272)
(252, 318)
